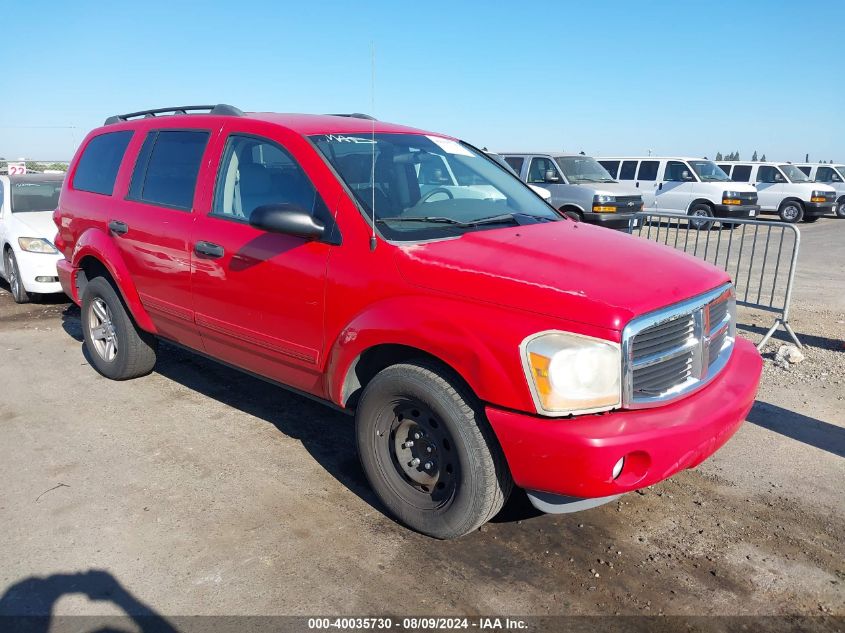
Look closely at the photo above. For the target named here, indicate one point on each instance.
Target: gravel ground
(200, 490)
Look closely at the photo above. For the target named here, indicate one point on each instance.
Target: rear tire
(698, 211)
(13, 274)
(117, 348)
(791, 211)
(428, 451)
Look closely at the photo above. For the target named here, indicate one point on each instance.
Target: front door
(543, 172)
(259, 296)
(674, 190)
(769, 187)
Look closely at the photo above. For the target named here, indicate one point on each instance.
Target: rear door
(259, 296)
(152, 226)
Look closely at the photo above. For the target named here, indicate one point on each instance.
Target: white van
(687, 186)
(580, 188)
(784, 189)
(831, 175)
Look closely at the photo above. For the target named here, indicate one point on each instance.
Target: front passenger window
(256, 172)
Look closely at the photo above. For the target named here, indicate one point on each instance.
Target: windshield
(583, 169)
(794, 174)
(708, 171)
(427, 187)
(41, 195)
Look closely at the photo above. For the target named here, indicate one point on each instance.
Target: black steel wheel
(428, 451)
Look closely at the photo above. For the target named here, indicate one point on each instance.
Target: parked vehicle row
(784, 189)
(482, 339)
(688, 186)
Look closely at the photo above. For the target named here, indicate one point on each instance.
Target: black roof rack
(357, 115)
(220, 109)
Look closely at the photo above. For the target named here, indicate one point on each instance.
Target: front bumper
(740, 211)
(575, 457)
(33, 266)
(815, 209)
(617, 221)
(67, 279)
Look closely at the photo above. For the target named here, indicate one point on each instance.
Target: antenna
(373, 241)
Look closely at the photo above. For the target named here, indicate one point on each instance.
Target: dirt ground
(200, 490)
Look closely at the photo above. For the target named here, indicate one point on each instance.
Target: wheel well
(371, 361)
(700, 201)
(571, 207)
(785, 200)
(90, 267)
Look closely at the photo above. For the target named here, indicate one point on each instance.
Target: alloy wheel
(103, 334)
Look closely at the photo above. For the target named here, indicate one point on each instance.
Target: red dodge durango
(481, 339)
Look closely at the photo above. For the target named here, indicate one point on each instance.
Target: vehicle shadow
(822, 342)
(327, 434)
(823, 435)
(28, 604)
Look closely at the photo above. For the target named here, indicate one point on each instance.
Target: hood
(36, 224)
(613, 189)
(568, 270)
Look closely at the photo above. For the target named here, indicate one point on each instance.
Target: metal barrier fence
(760, 256)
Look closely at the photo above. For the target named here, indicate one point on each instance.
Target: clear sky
(606, 77)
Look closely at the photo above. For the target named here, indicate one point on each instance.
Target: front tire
(791, 211)
(428, 451)
(840, 208)
(13, 273)
(117, 348)
(697, 212)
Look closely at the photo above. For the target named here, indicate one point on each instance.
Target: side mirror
(551, 176)
(287, 218)
(686, 176)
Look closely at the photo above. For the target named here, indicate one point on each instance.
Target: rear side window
(807, 170)
(612, 166)
(515, 162)
(648, 170)
(628, 170)
(100, 161)
(166, 170)
(741, 173)
(725, 168)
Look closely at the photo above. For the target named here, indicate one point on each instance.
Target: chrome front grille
(670, 353)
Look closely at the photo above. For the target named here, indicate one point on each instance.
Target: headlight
(731, 194)
(819, 196)
(603, 199)
(36, 245)
(571, 373)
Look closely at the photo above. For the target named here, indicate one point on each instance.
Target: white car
(29, 258)
(830, 175)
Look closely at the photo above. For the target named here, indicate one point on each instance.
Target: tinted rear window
(648, 170)
(167, 168)
(98, 166)
(741, 173)
(515, 162)
(629, 168)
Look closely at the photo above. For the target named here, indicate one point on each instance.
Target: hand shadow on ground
(27, 606)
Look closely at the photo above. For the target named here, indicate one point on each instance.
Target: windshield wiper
(427, 219)
(495, 219)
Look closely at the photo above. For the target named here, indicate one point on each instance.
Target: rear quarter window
(100, 161)
(515, 162)
(648, 170)
(741, 173)
(612, 166)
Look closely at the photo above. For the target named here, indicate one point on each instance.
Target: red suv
(481, 339)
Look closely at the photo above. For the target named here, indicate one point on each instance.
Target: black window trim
(72, 183)
(332, 236)
(163, 205)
